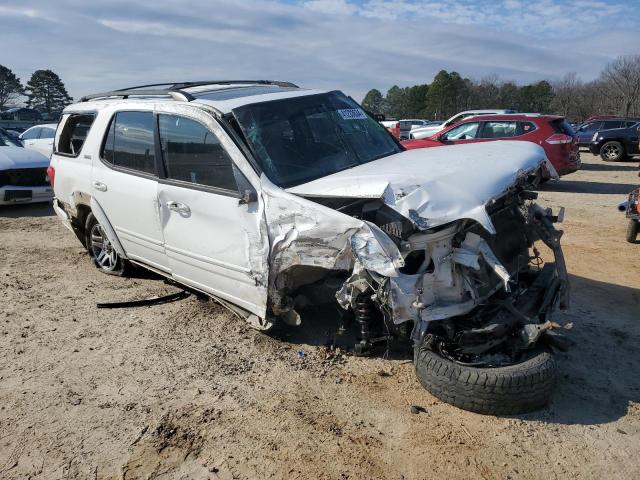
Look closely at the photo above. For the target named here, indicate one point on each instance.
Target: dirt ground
(186, 390)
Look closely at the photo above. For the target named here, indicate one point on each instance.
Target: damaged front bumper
(476, 290)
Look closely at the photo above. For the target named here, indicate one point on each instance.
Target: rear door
(125, 184)
(44, 143)
(504, 130)
(30, 137)
(211, 214)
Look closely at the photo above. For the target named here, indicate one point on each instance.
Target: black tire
(104, 257)
(518, 388)
(632, 230)
(612, 152)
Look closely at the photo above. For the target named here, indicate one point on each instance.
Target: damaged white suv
(270, 197)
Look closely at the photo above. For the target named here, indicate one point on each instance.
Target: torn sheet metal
(474, 244)
(436, 186)
(304, 233)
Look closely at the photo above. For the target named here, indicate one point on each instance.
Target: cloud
(337, 44)
(334, 7)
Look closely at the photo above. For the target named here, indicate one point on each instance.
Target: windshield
(8, 141)
(296, 140)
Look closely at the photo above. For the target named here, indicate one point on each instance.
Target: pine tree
(46, 92)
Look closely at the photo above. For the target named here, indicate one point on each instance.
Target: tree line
(45, 91)
(616, 91)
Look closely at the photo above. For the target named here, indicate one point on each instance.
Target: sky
(348, 45)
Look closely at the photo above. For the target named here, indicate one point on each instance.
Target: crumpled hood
(435, 186)
(18, 157)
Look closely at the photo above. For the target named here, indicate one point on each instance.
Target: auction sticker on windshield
(352, 114)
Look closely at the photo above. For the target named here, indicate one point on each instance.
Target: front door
(214, 235)
(464, 133)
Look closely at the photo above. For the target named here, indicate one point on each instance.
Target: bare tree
(566, 91)
(623, 74)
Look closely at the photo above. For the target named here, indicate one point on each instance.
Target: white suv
(429, 130)
(267, 196)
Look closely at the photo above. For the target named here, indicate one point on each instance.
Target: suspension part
(363, 313)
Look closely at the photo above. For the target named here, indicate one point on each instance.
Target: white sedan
(40, 138)
(23, 174)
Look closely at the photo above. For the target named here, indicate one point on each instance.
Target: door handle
(100, 186)
(178, 207)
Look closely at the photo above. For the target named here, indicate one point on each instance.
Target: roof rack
(175, 89)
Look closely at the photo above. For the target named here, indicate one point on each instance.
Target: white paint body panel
(131, 205)
(439, 184)
(40, 145)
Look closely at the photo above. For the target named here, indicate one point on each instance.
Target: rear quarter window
(74, 132)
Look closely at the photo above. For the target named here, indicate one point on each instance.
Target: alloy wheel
(612, 152)
(102, 249)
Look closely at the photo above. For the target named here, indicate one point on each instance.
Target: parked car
(551, 132)
(409, 125)
(586, 130)
(268, 197)
(428, 131)
(616, 144)
(631, 208)
(393, 127)
(40, 138)
(23, 173)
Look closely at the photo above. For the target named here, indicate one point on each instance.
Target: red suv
(551, 132)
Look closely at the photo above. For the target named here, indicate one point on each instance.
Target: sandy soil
(185, 390)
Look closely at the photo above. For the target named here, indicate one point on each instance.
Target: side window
(47, 133)
(466, 131)
(73, 134)
(192, 153)
(129, 142)
(525, 127)
(612, 124)
(499, 129)
(32, 134)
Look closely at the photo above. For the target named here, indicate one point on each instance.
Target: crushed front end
(479, 298)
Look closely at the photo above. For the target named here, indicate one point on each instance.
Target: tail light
(51, 175)
(559, 139)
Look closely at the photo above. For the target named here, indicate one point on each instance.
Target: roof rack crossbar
(179, 85)
(176, 93)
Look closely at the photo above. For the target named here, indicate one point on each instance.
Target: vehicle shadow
(609, 167)
(27, 210)
(579, 186)
(320, 327)
(598, 378)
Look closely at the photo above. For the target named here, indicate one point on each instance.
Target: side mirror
(248, 196)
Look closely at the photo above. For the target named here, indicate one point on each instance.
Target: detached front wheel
(100, 248)
(517, 388)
